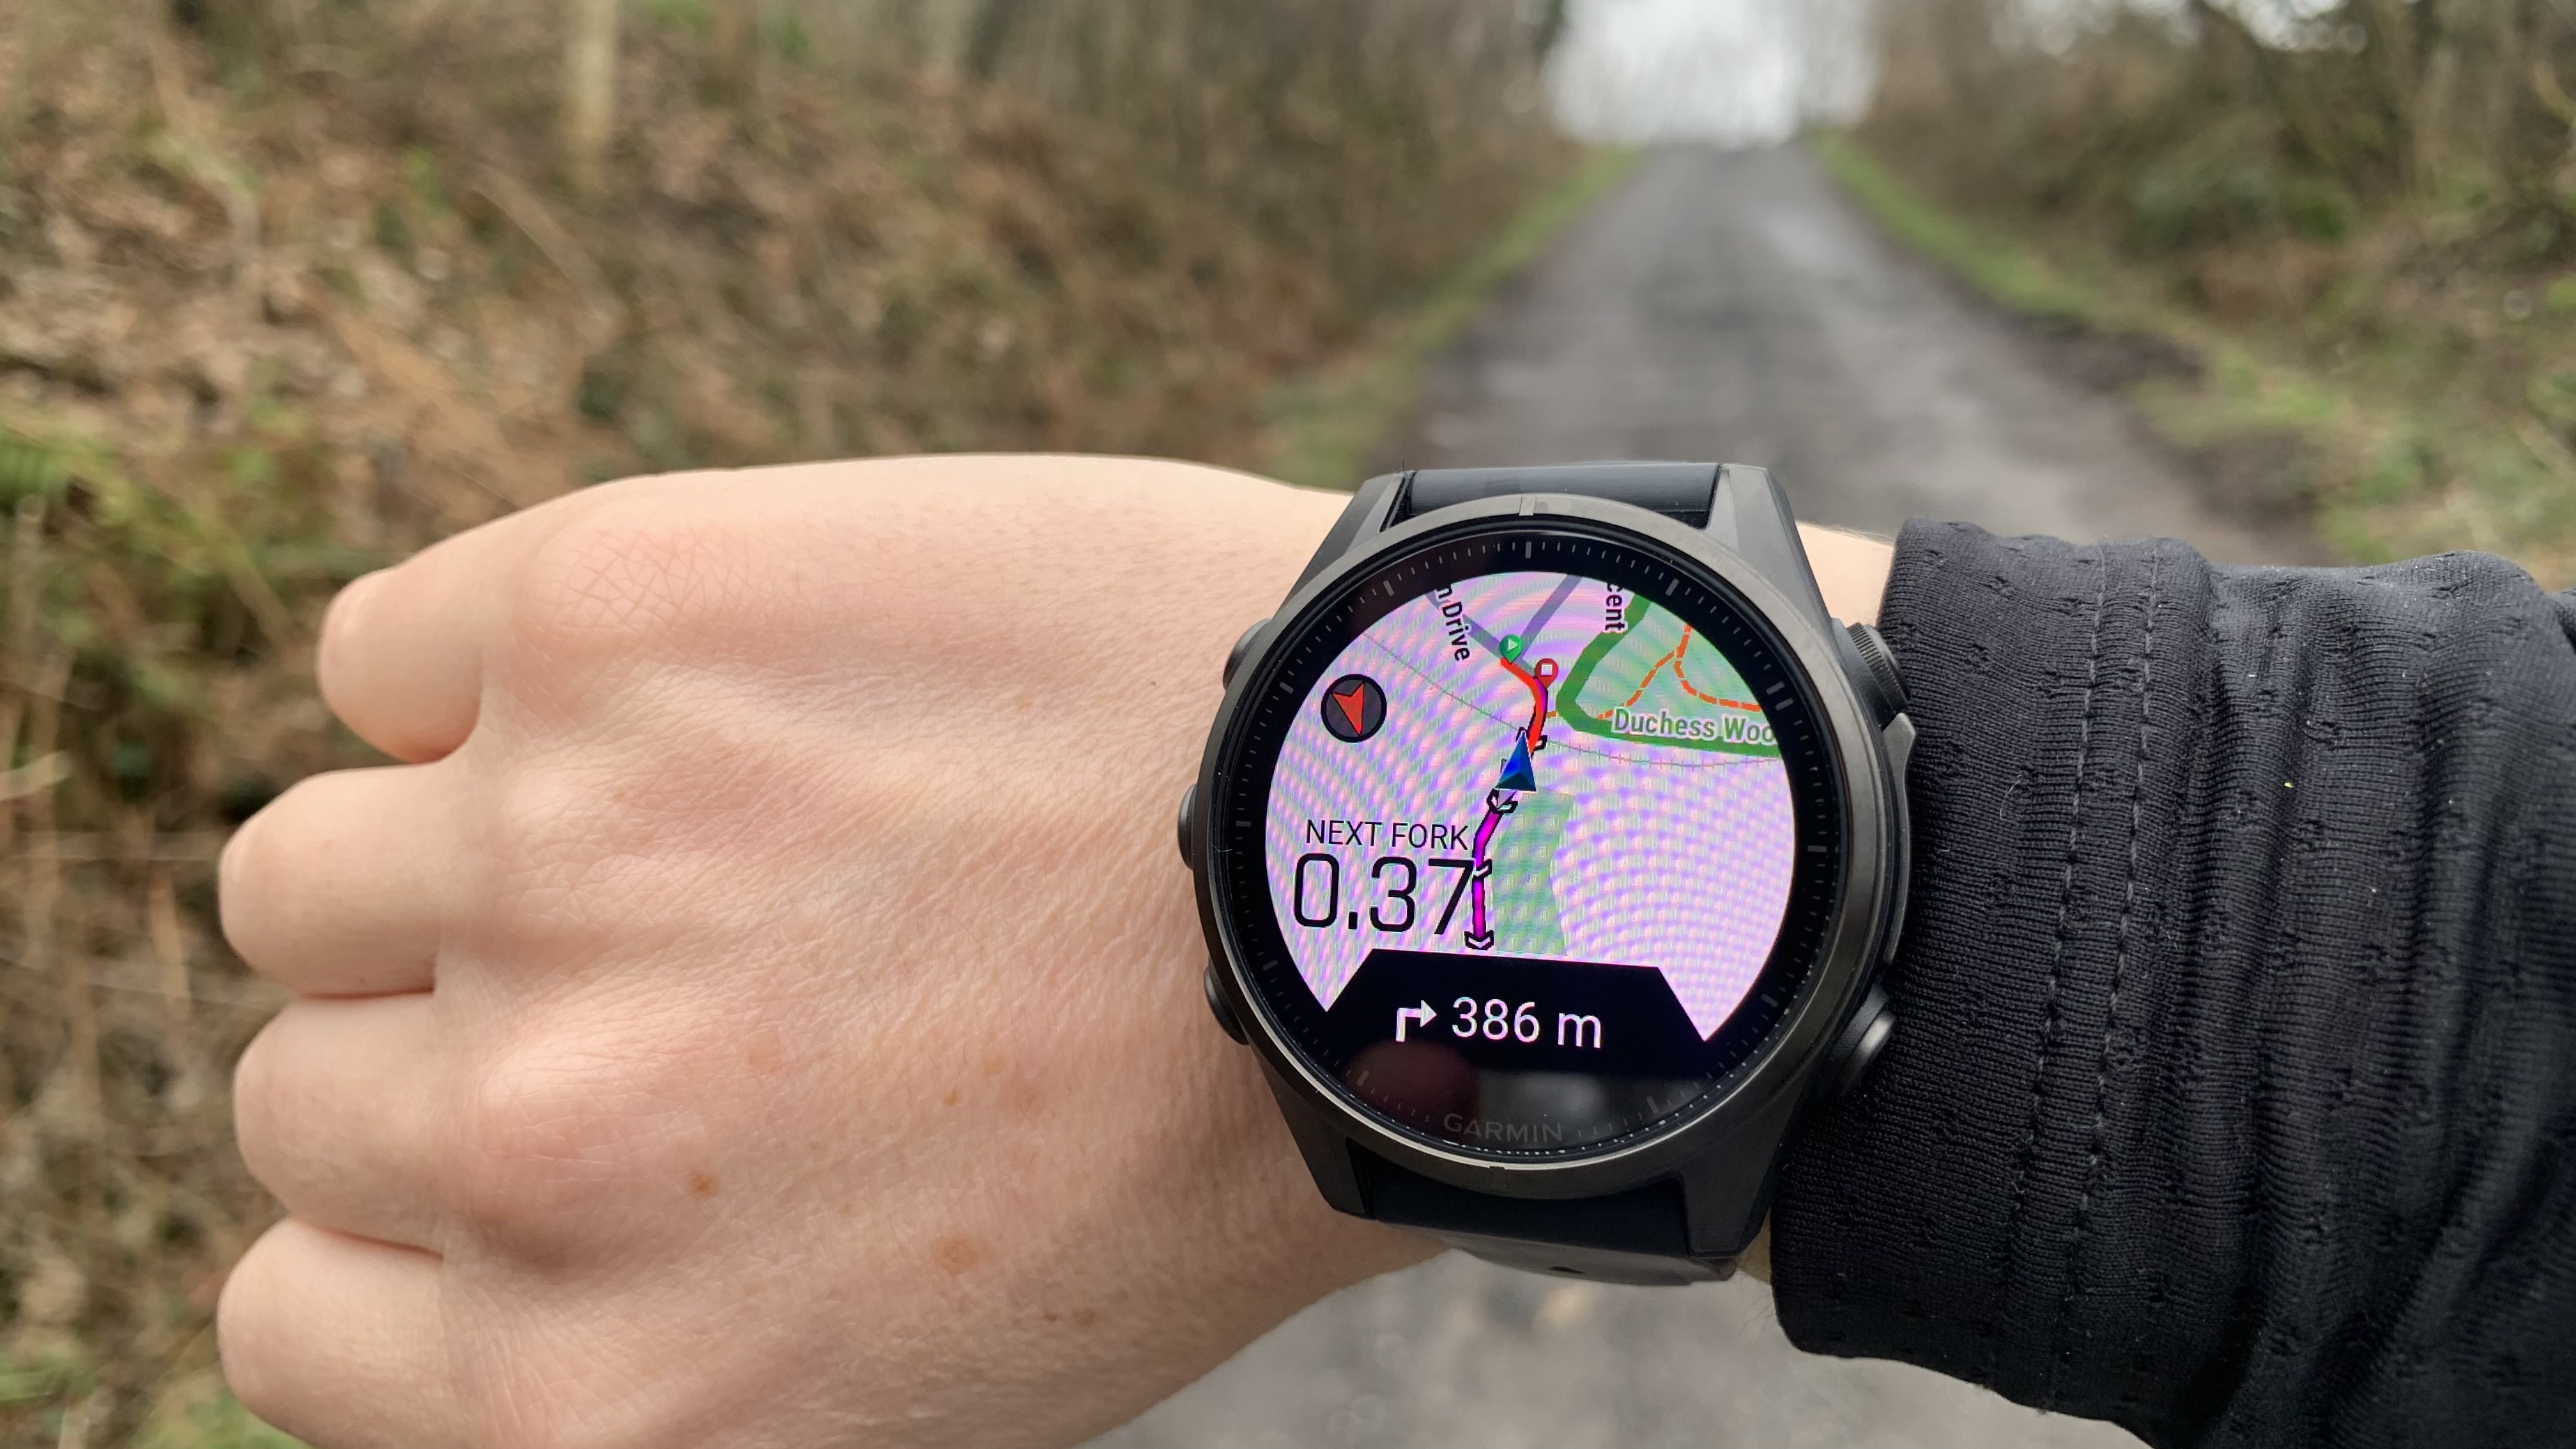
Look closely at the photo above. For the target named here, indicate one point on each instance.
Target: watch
(1548, 843)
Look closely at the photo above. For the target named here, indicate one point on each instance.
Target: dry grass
(287, 290)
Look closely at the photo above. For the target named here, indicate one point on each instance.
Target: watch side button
(1219, 1007)
(1189, 807)
(1242, 646)
(1863, 1041)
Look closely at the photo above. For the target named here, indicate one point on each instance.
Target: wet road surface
(1734, 306)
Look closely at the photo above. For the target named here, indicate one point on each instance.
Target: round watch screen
(1532, 839)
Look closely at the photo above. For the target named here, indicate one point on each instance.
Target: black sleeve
(2234, 1098)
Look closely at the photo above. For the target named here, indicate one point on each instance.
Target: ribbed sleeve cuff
(2229, 1098)
(1942, 1215)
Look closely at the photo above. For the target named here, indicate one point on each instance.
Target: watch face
(1528, 840)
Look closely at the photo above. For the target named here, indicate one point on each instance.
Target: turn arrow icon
(1411, 1016)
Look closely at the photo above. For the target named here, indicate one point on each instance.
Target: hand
(767, 1010)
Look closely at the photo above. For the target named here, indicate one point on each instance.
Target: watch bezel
(1777, 1063)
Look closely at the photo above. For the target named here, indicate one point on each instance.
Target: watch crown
(1881, 663)
(1242, 646)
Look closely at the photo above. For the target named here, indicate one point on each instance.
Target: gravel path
(1724, 305)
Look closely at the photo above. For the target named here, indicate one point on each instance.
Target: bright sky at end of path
(1734, 72)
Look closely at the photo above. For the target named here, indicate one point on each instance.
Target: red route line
(1538, 684)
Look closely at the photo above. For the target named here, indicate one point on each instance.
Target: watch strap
(1641, 1235)
(1684, 492)
(1741, 507)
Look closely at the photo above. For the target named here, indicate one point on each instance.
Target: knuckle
(538, 813)
(553, 1139)
(623, 575)
(580, 850)
(524, 1128)
(548, 869)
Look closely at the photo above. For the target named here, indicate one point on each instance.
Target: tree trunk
(589, 94)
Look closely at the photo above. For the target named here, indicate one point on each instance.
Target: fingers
(401, 659)
(340, 887)
(402, 649)
(336, 1105)
(338, 1341)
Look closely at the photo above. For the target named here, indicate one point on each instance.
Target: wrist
(1851, 570)
(1234, 1159)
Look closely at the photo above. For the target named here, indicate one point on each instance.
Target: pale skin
(763, 1007)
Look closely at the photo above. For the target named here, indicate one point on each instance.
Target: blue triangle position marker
(1516, 772)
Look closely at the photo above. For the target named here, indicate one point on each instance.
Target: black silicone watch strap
(1682, 491)
(1637, 1236)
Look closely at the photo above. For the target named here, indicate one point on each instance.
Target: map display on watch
(1531, 841)
(1538, 766)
